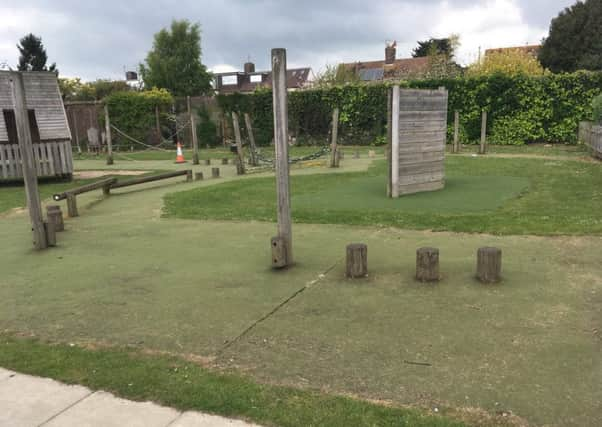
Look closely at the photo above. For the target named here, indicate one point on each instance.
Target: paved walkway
(31, 401)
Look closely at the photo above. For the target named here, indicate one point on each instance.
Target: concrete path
(31, 401)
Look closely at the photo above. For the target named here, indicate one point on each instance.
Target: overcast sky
(97, 39)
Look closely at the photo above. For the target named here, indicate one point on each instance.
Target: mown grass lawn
(186, 385)
(484, 195)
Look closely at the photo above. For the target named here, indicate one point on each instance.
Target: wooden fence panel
(50, 159)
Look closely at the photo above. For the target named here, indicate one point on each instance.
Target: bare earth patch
(101, 173)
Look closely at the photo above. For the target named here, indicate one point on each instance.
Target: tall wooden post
(108, 135)
(456, 146)
(157, 122)
(241, 157)
(334, 155)
(188, 110)
(395, 143)
(252, 147)
(75, 128)
(483, 147)
(29, 171)
(195, 141)
(389, 136)
(280, 100)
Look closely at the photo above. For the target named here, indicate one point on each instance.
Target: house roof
(378, 70)
(295, 79)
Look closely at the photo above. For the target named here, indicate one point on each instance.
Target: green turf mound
(462, 194)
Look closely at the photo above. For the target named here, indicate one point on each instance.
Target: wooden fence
(591, 135)
(51, 159)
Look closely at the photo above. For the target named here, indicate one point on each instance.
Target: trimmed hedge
(522, 109)
(134, 112)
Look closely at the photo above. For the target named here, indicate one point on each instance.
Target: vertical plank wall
(422, 136)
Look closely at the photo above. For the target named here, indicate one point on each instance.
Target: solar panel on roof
(370, 74)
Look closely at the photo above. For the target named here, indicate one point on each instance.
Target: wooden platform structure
(50, 132)
(418, 129)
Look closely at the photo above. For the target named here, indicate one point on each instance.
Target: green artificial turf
(484, 194)
(12, 195)
(121, 275)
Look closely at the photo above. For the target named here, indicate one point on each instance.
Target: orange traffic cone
(180, 155)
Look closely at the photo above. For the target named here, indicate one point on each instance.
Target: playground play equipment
(108, 184)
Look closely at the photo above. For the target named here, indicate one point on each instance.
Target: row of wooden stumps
(489, 263)
(456, 144)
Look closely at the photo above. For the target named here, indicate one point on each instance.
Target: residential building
(249, 80)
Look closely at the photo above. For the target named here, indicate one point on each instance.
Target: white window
(229, 80)
(256, 78)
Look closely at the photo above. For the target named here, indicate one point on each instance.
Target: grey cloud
(103, 37)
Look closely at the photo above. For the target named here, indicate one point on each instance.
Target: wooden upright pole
(252, 147)
(241, 157)
(395, 143)
(456, 146)
(389, 137)
(29, 170)
(483, 147)
(108, 134)
(334, 155)
(280, 101)
(195, 141)
(157, 122)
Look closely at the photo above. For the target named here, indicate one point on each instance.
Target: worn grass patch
(187, 386)
(492, 195)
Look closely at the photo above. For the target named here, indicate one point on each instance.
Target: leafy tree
(174, 63)
(334, 75)
(33, 55)
(574, 41)
(434, 47)
(508, 61)
(75, 90)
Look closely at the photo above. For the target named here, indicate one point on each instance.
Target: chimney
(390, 53)
(249, 67)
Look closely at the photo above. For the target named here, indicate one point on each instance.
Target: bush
(134, 112)
(597, 109)
(522, 109)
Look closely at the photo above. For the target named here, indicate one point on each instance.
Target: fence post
(395, 143)
(389, 137)
(29, 171)
(483, 147)
(334, 158)
(280, 100)
(456, 147)
(241, 157)
(195, 141)
(251, 139)
(108, 135)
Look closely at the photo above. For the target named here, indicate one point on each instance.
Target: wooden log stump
(489, 265)
(357, 260)
(279, 256)
(55, 216)
(198, 176)
(427, 264)
(50, 233)
(207, 162)
(214, 172)
(240, 167)
(224, 161)
(189, 176)
(72, 205)
(371, 153)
